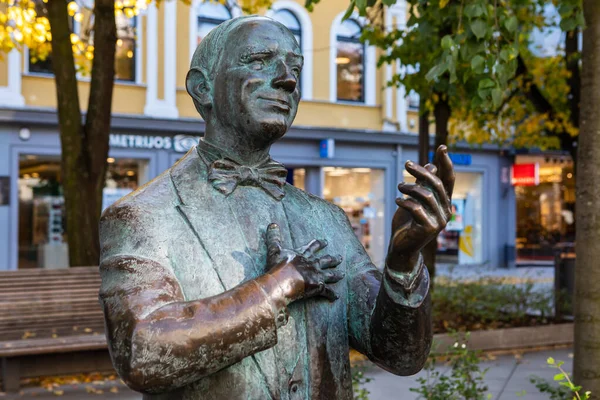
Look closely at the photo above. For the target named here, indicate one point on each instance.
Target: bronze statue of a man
(221, 281)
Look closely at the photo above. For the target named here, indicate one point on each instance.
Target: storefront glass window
(42, 228)
(462, 240)
(297, 177)
(545, 212)
(360, 193)
(350, 62)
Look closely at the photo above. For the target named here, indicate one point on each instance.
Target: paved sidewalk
(507, 376)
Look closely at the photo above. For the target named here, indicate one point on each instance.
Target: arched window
(289, 19)
(209, 16)
(350, 62)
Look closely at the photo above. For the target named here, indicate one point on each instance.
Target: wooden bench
(48, 318)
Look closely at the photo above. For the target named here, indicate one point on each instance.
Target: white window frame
(369, 78)
(307, 41)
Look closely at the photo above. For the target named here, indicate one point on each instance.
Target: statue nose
(285, 79)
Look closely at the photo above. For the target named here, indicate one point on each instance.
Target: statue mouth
(278, 103)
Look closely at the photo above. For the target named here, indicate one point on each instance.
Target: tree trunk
(441, 112)
(587, 276)
(430, 250)
(574, 82)
(84, 146)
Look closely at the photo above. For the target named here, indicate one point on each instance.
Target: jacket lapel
(298, 206)
(209, 216)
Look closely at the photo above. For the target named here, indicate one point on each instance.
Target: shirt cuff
(408, 289)
(408, 281)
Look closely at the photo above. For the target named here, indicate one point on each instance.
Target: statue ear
(199, 87)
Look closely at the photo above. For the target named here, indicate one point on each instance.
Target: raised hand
(317, 273)
(425, 213)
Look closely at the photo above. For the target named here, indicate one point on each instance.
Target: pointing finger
(445, 169)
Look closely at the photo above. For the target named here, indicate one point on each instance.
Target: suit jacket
(183, 323)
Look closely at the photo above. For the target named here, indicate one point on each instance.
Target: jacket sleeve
(157, 340)
(388, 322)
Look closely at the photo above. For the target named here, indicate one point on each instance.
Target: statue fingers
(273, 239)
(333, 276)
(425, 197)
(313, 247)
(445, 169)
(431, 168)
(417, 211)
(427, 177)
(328, 293)
(328, 261)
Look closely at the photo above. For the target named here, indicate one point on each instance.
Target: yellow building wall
(39, 91)
(3, 71)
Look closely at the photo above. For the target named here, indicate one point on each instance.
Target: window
(209, 16)
(287, 18)
(360, 193)
(43, 239)
(125, 55)
(350, 62)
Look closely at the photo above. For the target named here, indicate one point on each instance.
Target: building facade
(349, 142)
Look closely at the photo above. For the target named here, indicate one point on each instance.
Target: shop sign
(456, 158)
(525, 174)
(179, 143)
(327, 148)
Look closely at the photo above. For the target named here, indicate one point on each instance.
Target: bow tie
(225, 175)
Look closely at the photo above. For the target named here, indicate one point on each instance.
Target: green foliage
(465, 380)
(468, 51)
(565, 389)
(358, 381)
(492, 303)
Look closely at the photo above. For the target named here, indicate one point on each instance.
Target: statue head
(243, 79)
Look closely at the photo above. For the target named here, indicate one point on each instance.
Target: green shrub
(465, 380)
(489, 303)
(562, 388)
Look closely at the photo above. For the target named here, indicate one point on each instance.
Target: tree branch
(63, 64)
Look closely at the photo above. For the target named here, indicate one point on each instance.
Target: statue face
(256, 86)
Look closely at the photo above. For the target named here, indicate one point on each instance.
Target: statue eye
(257, 64)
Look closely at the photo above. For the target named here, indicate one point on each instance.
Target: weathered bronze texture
(221, 281)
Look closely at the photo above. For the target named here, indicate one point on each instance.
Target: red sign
(525, 174)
